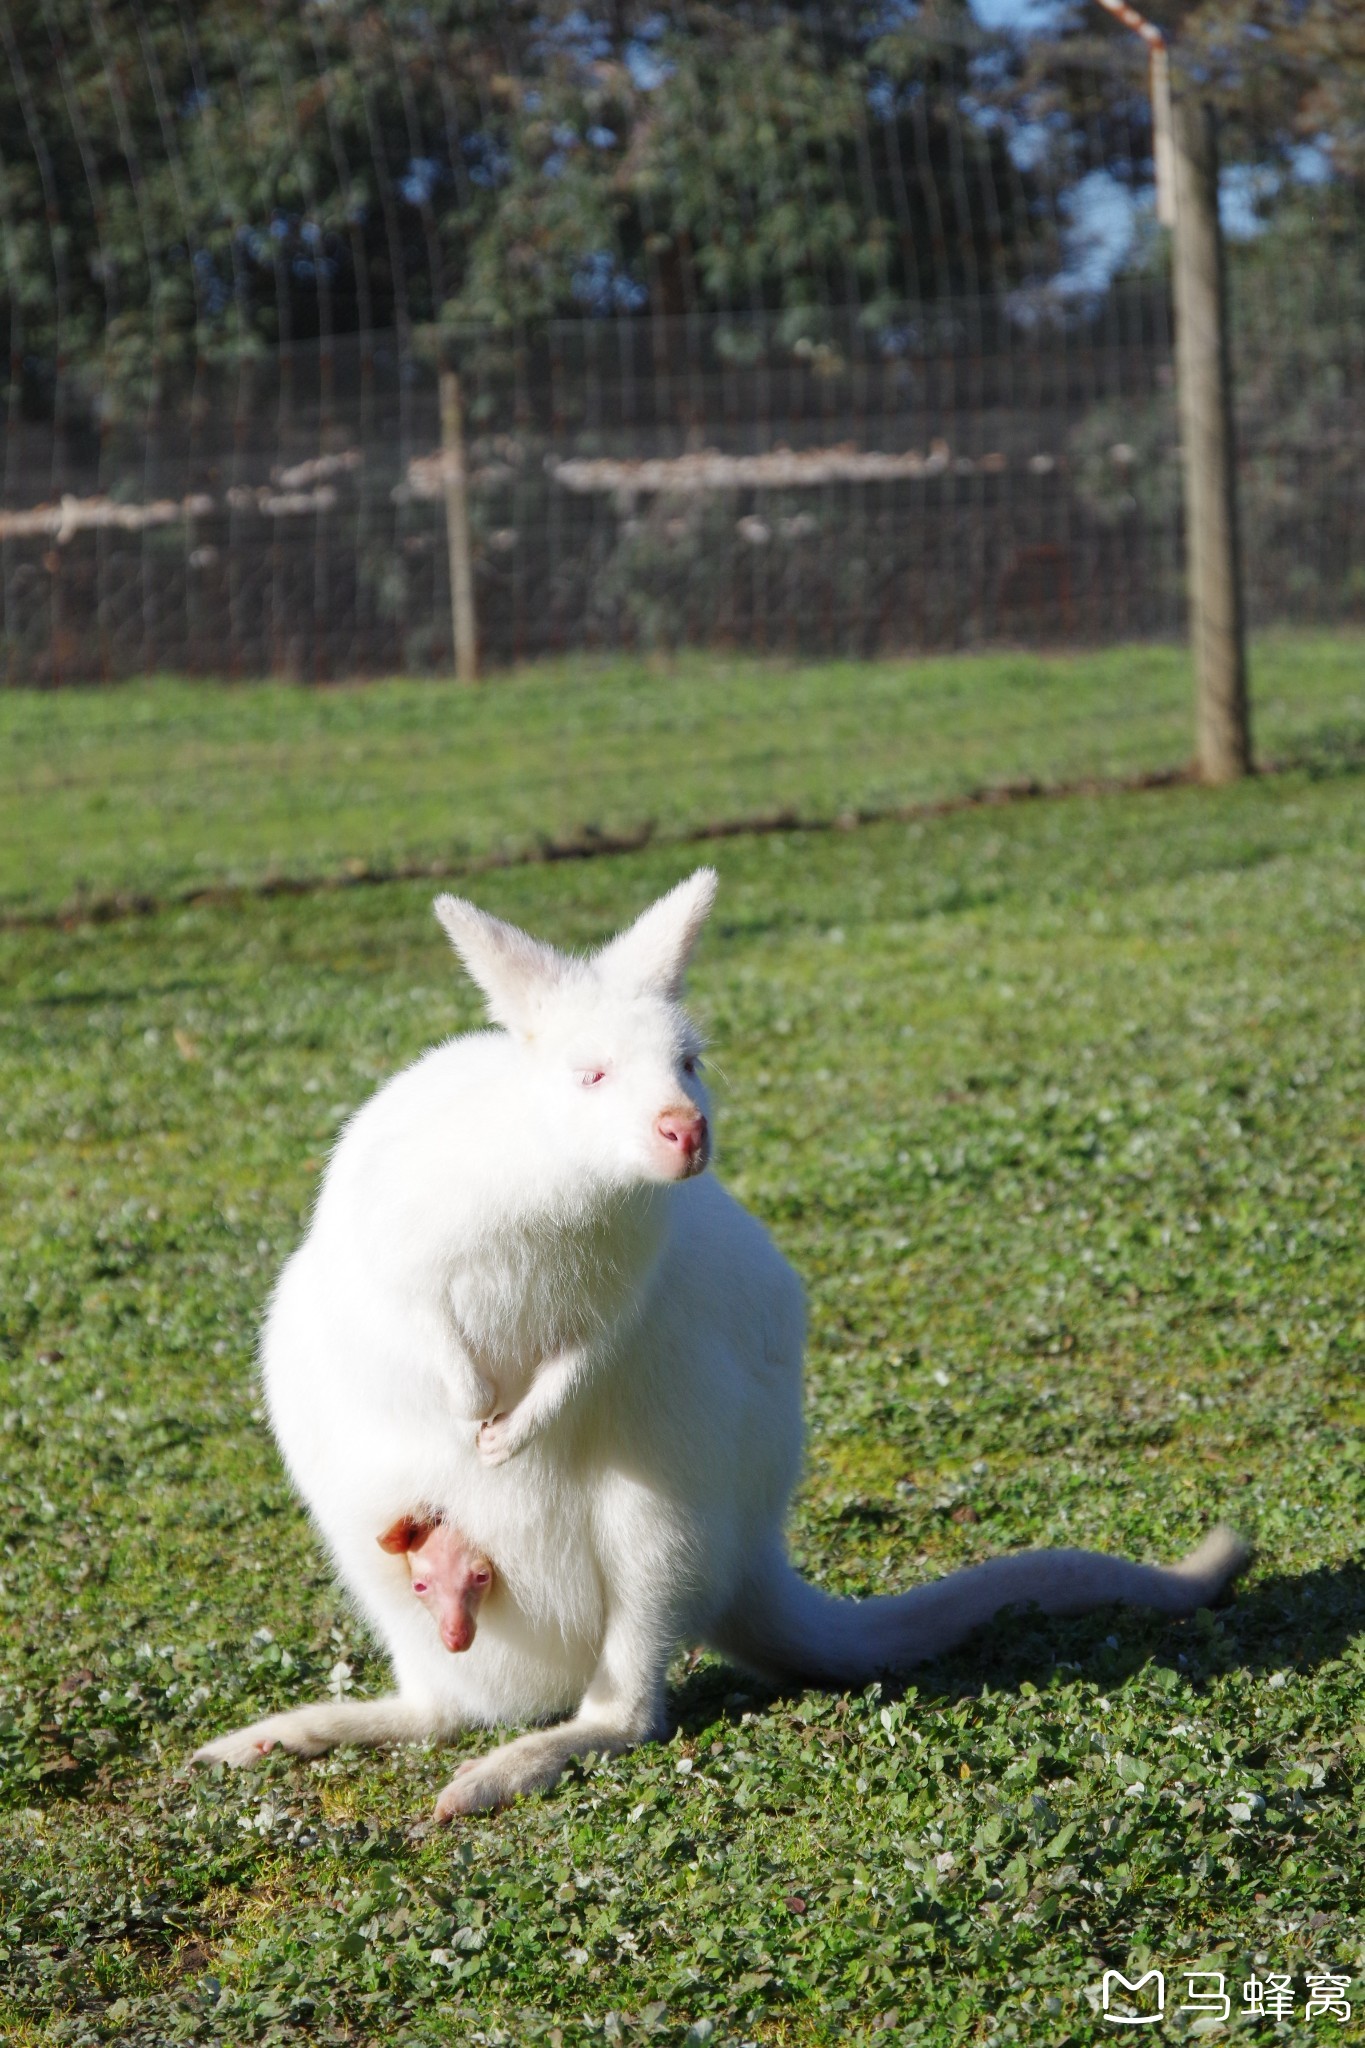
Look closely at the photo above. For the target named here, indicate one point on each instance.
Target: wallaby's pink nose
(685, 1128)
(457, 1630)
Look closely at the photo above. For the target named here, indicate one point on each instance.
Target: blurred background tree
(181, 180)
(186, 183)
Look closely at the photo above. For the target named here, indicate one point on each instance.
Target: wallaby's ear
(406, 1534)
(515, 971)
(650, 957)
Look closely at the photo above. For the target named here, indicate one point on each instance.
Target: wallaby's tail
(785, 1629)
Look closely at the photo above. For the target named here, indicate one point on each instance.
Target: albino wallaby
(446, 1571)
(522, 1301)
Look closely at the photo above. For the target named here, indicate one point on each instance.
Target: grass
(1058, 1109)
(168, 787)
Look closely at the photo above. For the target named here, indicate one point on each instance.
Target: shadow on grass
(1287, 1623)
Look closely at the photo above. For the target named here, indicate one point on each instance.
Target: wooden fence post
(1204, 388)
(462, 618)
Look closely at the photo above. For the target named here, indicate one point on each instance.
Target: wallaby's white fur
(503, 1232)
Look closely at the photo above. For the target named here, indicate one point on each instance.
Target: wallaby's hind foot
(529, 1763)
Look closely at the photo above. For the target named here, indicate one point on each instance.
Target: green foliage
(1057, 1108)
(668, 574)
(1296, 391)
(1284, 72)
(181, 188)
(184, 188)
(1125, 458)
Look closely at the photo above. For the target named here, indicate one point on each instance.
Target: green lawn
(1060, 1110)
(163, 788)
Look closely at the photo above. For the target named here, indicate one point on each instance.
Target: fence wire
(884, 368)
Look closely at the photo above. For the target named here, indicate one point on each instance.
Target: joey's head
(609, 1066)
(448, 1574)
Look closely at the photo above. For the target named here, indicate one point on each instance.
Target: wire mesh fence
(223, 441)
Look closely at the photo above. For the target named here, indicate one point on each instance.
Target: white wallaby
(524, 1309)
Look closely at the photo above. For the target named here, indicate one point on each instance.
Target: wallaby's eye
(419, 1585)
(590, 1076)
(692, 1063)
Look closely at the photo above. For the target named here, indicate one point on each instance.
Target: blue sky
(1016, 13)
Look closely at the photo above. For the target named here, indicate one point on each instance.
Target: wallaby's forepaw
(500, 1439)
(242, 1747)
(249, 1745)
